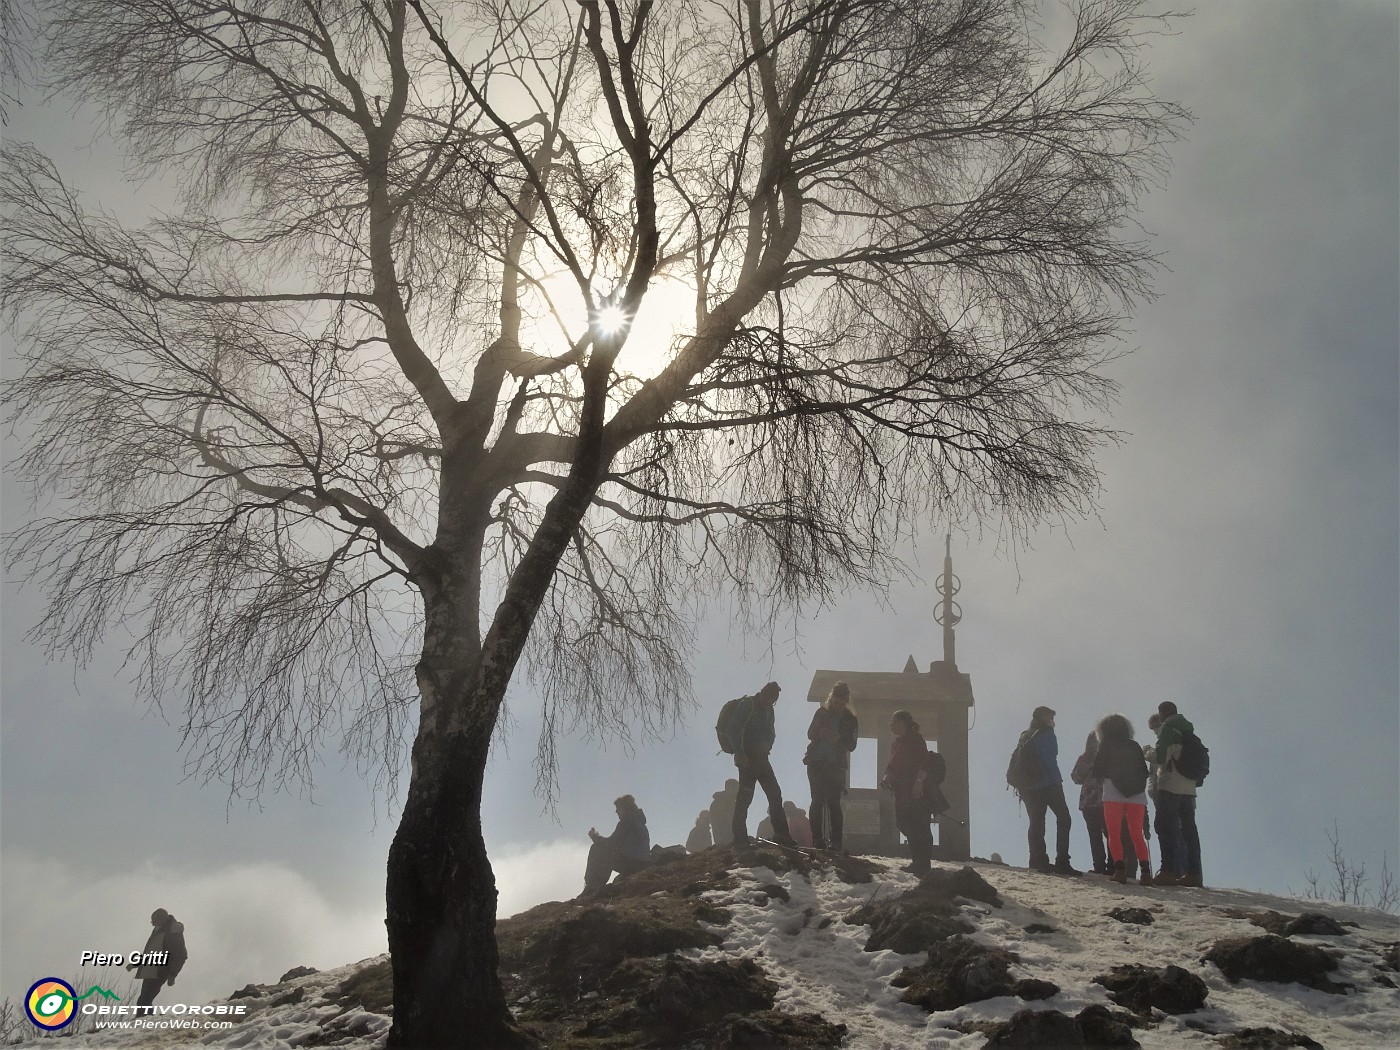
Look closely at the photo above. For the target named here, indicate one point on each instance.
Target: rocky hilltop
(762, 947)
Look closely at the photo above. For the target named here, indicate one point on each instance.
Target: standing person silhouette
(754, 733)
(168, 937)
(1047, 794)
(832, 735)
(906, 775)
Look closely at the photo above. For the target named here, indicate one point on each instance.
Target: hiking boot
(786, 840)
(1042, 865)
(1120, 874)
(1062, 867)
(740, 840)
(1145, 879)
(1167, 878)
(1193, 881)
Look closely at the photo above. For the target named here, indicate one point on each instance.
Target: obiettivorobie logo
(52, 1002)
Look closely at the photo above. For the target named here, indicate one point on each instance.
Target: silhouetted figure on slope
(722, 812)
(1120, 766)
(699, 838)
(832, 735)
(626, 850)
(166, 944)
(1046, 793)
(752, 730)
(1091, 804)
(906, 776)
(1176, 802)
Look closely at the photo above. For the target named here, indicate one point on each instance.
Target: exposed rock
(925, 915)
(1100, 1026)
(959, 971)
(1390, 956)
(1037, 1030)
(295, 972)
(1142, 989)
(910, 930)
(1266, 1039)
(571, 946)
(1136, 916)
(1094, 1027)
(965, 882)
(1315, 923)
(1031, 989)
(688, 995)
(773, 890)
(296, 995)
(1310, 922)
(371, 988)
(248, 991)
(776, 1031)
(1277, 959)
(1039, 927)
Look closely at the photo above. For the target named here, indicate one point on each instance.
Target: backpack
(728, 734)
(937, 769)
(1121, 762)
(1023, 770)
(1194, 760)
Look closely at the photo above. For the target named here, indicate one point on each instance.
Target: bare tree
(381, 415)
(17, 28)
(1350, 882)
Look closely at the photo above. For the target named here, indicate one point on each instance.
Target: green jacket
(1169, 738)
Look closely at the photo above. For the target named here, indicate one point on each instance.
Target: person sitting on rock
(699, 838)
(626, 850)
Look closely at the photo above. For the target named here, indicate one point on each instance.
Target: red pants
(1113, 814)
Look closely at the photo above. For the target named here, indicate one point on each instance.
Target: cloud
(545, 871)
(246, 923)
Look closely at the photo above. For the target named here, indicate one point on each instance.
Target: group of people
(913, 775)
(1116, 778)
(1116, 775)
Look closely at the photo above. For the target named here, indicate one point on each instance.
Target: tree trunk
(441, 892)
(441, 904)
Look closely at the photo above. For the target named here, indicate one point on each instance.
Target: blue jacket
(1047, 749)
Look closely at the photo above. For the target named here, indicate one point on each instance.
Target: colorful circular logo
(51, 1003)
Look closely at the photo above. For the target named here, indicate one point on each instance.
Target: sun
(666, 316)
(611, 320)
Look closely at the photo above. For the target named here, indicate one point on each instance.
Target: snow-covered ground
(821, 967)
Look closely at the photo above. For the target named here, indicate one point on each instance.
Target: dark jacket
(835, 753)
(908, 758)
(754, 730)
(169, 938)
(1121, 761)
(631, 839)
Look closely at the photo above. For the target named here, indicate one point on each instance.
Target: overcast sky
(1246, 564)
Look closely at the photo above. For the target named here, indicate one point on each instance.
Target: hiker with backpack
(1182, 765)
(832, 735)
(746, 730)
(1121, 769)
(915, 795)
(1034, 772)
